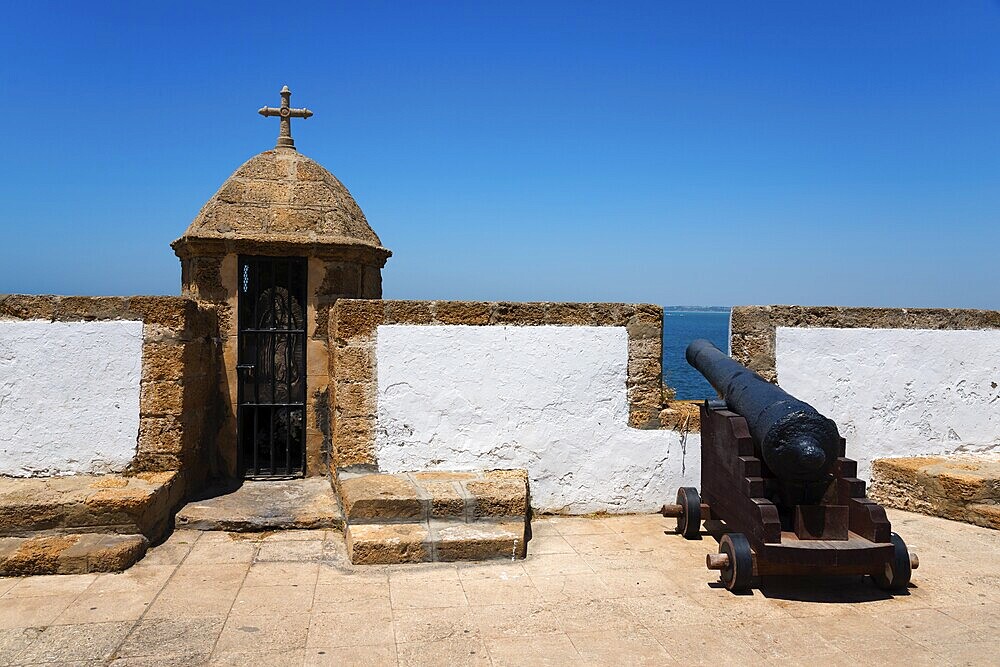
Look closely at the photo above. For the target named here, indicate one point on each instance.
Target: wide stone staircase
(82, 523)
(435, 516)
(103, 523)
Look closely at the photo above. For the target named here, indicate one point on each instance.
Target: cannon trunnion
(778, 478)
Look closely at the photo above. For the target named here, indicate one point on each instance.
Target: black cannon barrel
(796, 442)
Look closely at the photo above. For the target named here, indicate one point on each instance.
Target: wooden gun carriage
(780, 482)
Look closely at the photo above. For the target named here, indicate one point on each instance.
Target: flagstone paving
(607, 591)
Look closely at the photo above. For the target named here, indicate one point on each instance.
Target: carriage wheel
(689, 520)
(896, 575)
(739, 570)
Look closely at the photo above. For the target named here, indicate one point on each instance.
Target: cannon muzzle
(796, 442)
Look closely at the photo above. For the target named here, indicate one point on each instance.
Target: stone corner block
(374, 498)
(386, 544)
(499, 496)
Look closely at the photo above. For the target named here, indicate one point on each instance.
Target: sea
(680, 327)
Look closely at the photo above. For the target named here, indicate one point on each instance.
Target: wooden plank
(850, 487)
(753, 487)
(750, 466)
(821, 522)
(868, 520)
(853, 555)
(845, 467)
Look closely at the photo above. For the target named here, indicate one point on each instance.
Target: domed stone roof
(281, 197)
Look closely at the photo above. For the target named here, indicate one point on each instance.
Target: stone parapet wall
(753, 328)
(898, 382)
(354, 323)
(213, 280)
(178, 404)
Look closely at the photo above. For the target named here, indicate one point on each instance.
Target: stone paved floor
(612, 591)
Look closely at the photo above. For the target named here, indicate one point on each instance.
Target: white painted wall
(897, 392)
(69, 396)
(550, 399)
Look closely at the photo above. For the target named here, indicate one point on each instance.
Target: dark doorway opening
(271, 366)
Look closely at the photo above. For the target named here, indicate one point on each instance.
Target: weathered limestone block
(987, 515)
(522, 314)
(647, 313)
(300, 504)
(569, 313)
(312, 193)
(257, 192)
(645, 348)
(353, 438)
(369, 498)
(161, 435)
(446, 498)
(645, 371)
(307, 170)
(462, 312)
(145, 461)
(354, 363)
(77, 553)
(40, 555)
(376, 544)
(356, 320)
(104, 553)
(282, 220)
(272, 170)
(612, 314)
(73, 308)
(644, 418)
(963, 488)
(408, 312)
(681, 416)
(499, 496)
(444, 476)
(27, 307)
(435, 515)
(371, 283)
(481, 540)
(340, 279)
(645, 395)
(174, 313)
(161, 398)
(355, 399)
(139, 504)
(638, 329)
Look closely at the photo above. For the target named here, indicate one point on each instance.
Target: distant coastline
(697, 309)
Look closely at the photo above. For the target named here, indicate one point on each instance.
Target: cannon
(774, 471)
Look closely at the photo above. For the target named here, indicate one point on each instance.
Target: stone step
(89, 503)
(257, 506)
(424, 496)
(435, 541)
(72, 553)
(432, 516)
(961, 487)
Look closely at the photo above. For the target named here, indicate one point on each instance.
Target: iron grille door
(271, 366)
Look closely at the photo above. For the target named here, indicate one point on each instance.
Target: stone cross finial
(287, 113)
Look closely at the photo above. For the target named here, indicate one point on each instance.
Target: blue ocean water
(680, 327)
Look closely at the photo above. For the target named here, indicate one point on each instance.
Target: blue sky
(670, 152)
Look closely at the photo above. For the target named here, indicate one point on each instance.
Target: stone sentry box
(281, 204)
(353, 331)
(178, 365)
